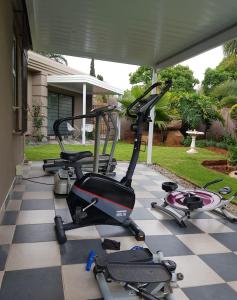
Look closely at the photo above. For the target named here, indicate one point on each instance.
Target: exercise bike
(96, 199)
(136, 273)
(183, 204)
(104, 163)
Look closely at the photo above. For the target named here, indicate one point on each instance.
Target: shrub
(228, 139)
(187, 141)
(233, 156)
(222, 145)
(201, 143)
(211, 143)
(37, 119)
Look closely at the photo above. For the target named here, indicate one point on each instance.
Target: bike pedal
(80, 215)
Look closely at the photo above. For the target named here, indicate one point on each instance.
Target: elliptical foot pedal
(125, 256)
(79, 215)
(138, 272)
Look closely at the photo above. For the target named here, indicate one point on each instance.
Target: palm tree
(230, 47)
(227, 88)
(56, 57)
(92, 67)
(162, 114)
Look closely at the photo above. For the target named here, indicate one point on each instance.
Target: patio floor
(33, 266)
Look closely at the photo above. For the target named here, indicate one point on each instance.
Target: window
(59, 106)
(14, 86)
(19, 74)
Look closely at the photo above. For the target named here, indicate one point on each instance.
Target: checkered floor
(33, 266)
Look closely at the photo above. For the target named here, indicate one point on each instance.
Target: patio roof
(75, 83)
(157, 33)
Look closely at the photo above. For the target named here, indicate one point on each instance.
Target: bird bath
(193, 134)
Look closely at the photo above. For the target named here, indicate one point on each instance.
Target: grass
(175, 159)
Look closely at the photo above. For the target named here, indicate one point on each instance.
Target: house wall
(38, 68)
(40, 97)
(29, 100)
(11, 149)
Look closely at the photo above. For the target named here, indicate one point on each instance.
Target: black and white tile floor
(33, 266)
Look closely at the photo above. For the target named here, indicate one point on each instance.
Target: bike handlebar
(144, 105)
(212, 182)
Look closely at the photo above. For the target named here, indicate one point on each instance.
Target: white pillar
(151, 124)
(84, 112)
(119, 127)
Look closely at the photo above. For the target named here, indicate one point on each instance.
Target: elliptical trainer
(96, 199)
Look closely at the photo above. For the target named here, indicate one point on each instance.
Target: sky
(117, 74)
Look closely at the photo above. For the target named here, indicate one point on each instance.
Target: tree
(233, 112)
(100, 77)
(56, 57)
(226, 70)
(195, 110)
(92, 67)
(142, 75)
(227, 88)
(162, 115)
(230, 47)
(182, 77)
(229, 64)
(228, 101)
(212, 78)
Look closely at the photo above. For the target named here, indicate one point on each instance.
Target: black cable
(41, 176)
(29, 179)
(37, 181)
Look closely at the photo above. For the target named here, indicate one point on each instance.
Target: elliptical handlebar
(104, 109)
(211, 183)
(92, 114)
(145, 105)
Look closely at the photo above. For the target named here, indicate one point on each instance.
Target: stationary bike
(183, 204)
(96, 199)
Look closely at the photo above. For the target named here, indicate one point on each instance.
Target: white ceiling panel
(75, 83)
(152, 32)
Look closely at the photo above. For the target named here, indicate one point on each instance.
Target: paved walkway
(33, 266)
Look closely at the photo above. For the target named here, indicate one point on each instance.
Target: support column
(151, 124)
(39, 96)
(84, 112)
(97, 145)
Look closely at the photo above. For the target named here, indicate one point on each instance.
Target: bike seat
(75, 156)
(169, 186)
(193, 202)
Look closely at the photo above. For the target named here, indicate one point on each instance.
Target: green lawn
(174, 159)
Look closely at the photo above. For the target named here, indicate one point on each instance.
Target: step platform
(131, 274)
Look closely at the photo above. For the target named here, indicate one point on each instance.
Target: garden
(209, 106)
